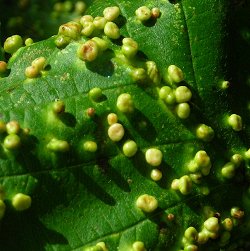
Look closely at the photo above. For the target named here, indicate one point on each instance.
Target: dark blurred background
(38, 19)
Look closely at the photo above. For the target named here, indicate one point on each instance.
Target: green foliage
(57, 193)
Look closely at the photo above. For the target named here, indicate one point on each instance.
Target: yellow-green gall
(31, 72)
(237, 159)
(101, 43)
(139, 74)
(225, 84)
(129, 41)
(202, 158)
(203, 237)
(67, 6)
(174, 74)
(80, 7)
(138, 246)
(100, 22)
(39, 63)
(93, 248)
(62, 41)
(90, 146)
(12, 142)
(191, 234)
(204, 190)
(125, 103)
(111, 30)
(155, 12)
(237, 213)
(129, 47)
(182, 94)
(153, 72)
(164, 92)
(13, 127)
(170, 99)
(201, 163)
(86, 19)
(129, 148)
(143, 13)
(185, 184)
(175, 184)
(116, 132)
(196, 177)
(227, 224)
(153, 156)
(191, 247)
(228, 170)
(21, 202)
(29, 41)
(88, 51)
(71, 29)
(235, 121)
(3, 67)
(26, 131)
(58, 7)
(183, 110)
(205, 133)
(112, 118)
(56, 145)
(102, 245)
(147, 203)
(167, 94)
(58, 107)
(205, 170)
(88, 29)
(13, 43)
(212, 224)
(96, 94)
(247, 154)
(111, 13)
(156, 174)
(2, 209)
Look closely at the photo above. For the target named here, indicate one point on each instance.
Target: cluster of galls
(88, 26)
(66, 7)
(100, 246)
(12, 134)
(213, 228)
(94, 35)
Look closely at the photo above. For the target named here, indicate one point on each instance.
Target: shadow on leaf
(142, 125)
(23, 231)
(94, 188)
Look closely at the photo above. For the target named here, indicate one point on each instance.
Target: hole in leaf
(47, 67)
(142, 56)
(173, 1)
(118, 41)
(150, 23)
(68, 119)
(121, 21)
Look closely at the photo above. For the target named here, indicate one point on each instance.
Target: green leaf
(82, 198)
